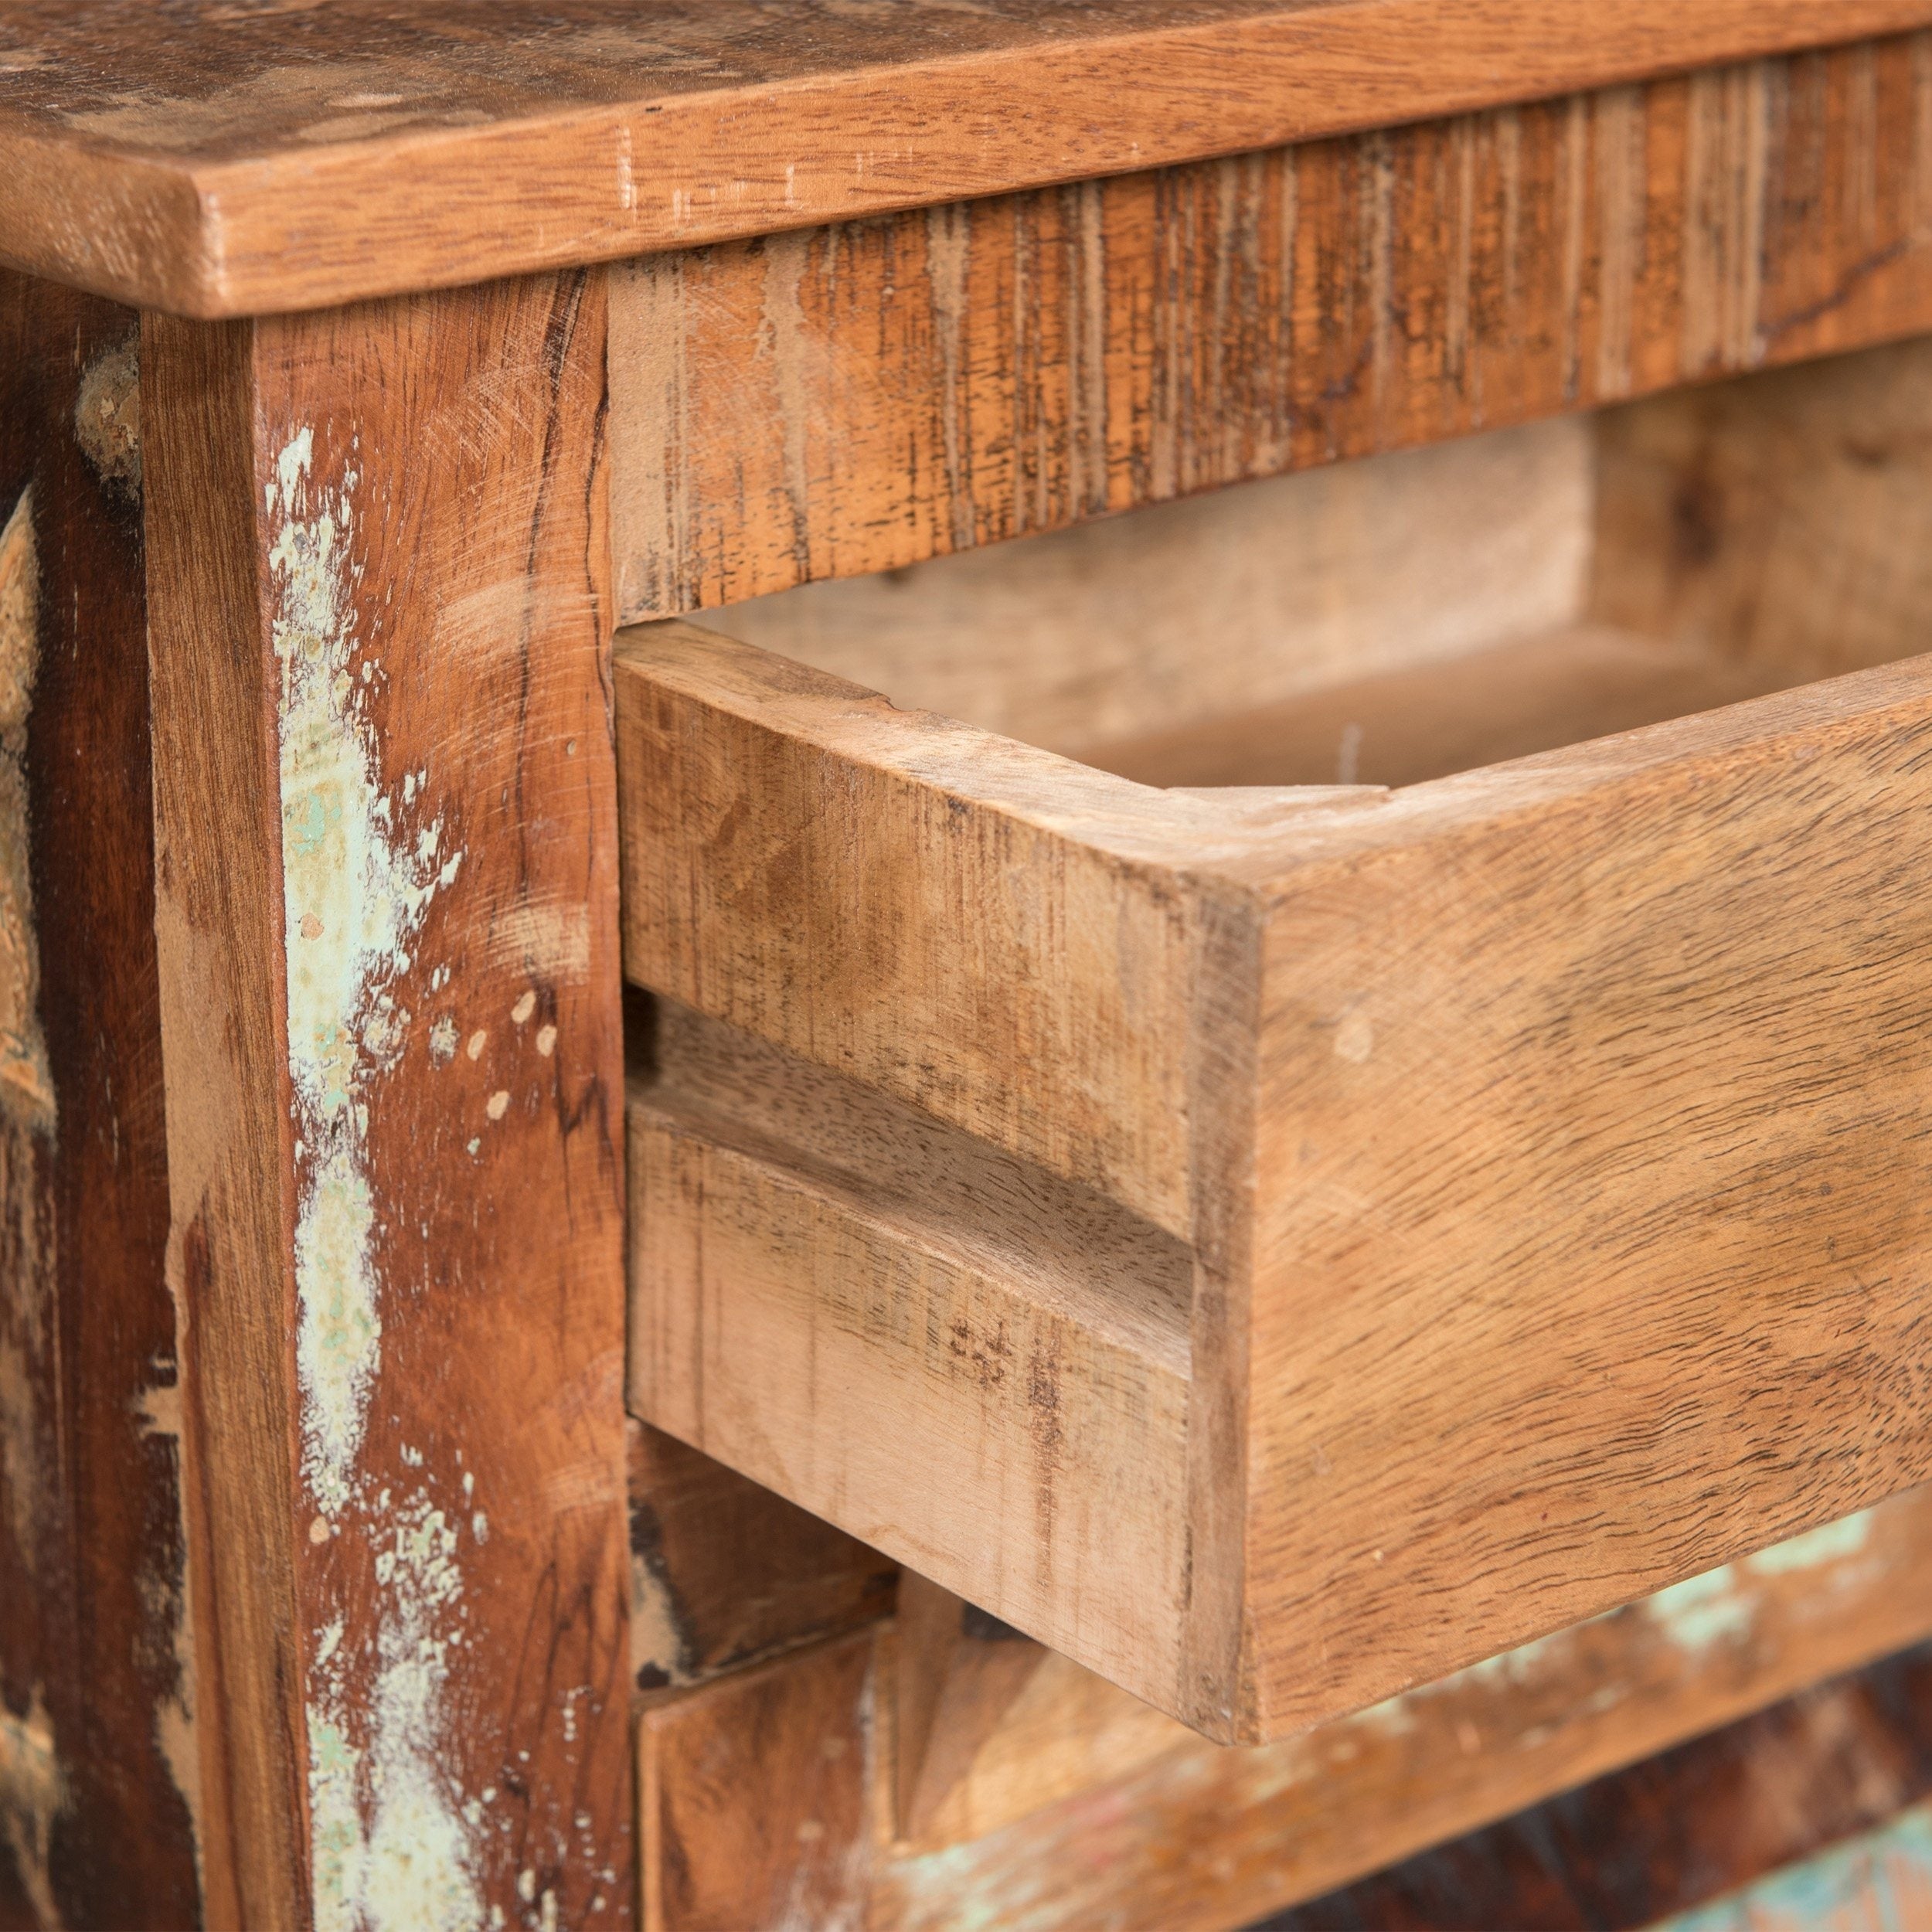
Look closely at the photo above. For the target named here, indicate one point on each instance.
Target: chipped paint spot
(1829, 1543)
(356, 884)
(1705, 1610)
(106, 418)
(442, 1042)
(478, 1040)
(26, 1089)
(546, 1041)
(525, 1007)
(412, 1868)
(498, 1104)
(31, 1794)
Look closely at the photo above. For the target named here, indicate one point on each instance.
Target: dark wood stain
(94, 1625)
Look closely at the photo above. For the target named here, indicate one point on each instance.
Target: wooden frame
(1013, 327)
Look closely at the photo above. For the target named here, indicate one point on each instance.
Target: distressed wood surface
(864, 395)
(1078, 1811)
(98, 1777)
(392, 1033)
(1880, 1879)
(1815, 1809)
(219, 160)
(724, 1573)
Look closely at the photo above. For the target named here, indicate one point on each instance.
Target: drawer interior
(1406, 617)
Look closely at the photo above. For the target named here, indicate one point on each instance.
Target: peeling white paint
(394, 1850)
(362, 861)
(355, 885)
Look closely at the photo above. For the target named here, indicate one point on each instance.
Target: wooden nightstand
(1350, 1092)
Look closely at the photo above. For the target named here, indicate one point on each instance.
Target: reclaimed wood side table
(1276, 1209)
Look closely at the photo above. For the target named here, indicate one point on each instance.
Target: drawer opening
(1125, 1132)
(1406, 617)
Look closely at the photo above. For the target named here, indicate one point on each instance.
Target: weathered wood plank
(1882, 1878)
(98, 1778)
(230, 161)
(1083, 1809)
(1800, 1806)
(393, 1043)
(860, 396)
(1078, 1807)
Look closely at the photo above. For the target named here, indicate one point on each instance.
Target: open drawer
(1279, 1239)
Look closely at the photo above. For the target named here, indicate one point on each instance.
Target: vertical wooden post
(97, 1769)
(386, 876)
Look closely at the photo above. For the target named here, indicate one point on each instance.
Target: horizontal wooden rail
(863, 396)
(216, 160)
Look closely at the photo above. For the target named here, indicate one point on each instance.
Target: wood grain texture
(1673, 1028)
(97, 1773)
(394, 1055)
(756, 1794)
(1078, 1809)
(1800, 1806)
(1037, 1342)
(217, 161)
(865, 395)
(219, 935)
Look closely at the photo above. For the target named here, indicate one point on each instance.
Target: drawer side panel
(1595, 1235)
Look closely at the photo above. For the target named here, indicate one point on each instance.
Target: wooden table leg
(96, 1763)
(392, 1026)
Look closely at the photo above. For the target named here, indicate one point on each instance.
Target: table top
(228, 157)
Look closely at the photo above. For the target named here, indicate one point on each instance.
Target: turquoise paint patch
(1819, 1892)
(1704, 1611)
(1830, 1542)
